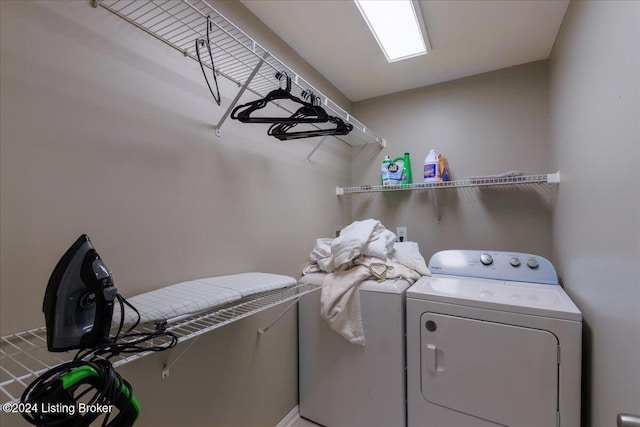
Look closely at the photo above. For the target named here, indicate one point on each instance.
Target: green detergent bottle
(405, 164)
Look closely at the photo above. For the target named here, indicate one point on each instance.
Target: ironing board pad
(199, 295)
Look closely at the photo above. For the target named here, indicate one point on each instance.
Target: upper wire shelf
(237, 57)
(24, 355)
(552, 178)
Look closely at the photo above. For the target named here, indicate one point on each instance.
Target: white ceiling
(467, 37)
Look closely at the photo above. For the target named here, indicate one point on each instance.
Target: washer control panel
(511, 266)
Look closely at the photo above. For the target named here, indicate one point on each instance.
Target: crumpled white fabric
(368, 237)
(408, 254)
(364, 250)
(321, 255)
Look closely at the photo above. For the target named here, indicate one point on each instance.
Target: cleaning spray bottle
(431, 167)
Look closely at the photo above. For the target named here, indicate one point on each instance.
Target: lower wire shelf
(24, 355)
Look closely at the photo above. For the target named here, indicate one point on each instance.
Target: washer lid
(515, 297)
(389, 286)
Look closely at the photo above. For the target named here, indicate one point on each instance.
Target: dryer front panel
(500, 373)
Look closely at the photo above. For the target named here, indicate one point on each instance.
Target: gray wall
(109, 132)
(486, 124)
(594, 133)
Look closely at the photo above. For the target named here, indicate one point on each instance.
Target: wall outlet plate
(401, 234)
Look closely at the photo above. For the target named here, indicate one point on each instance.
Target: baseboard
(291, 418)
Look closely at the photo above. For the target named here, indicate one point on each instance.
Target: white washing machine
(342, 384)
(492, 340)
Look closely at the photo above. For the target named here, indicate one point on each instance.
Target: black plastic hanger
(309, 112)
(280, 130)
(202, 42)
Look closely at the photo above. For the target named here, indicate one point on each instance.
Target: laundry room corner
(485, 124)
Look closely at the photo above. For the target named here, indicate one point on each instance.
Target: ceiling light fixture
(397, 26)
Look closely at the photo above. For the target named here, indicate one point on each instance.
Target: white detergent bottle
(431, 169)
(386, 175)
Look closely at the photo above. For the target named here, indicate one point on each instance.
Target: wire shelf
(236, 56)
(24, 355)
(552, 178)
(478, 182)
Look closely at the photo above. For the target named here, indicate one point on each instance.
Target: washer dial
(486, 259)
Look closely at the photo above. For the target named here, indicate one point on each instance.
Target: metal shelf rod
(239, 94)
(315, 148)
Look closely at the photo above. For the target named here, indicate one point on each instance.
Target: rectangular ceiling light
(397, 27)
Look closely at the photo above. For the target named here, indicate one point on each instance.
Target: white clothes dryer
(492, 340)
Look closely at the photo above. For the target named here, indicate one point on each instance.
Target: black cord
(49, 404)
(201, 41)
(108, 387)
(133, 341)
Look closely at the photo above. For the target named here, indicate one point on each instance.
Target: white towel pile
(364, 250)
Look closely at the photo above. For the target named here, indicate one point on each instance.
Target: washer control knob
(532, 263)
(515, 262)
(486, 259)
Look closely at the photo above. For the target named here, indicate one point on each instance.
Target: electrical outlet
(401, 234)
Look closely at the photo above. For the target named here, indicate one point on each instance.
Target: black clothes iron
(78, 302)
(78, 310)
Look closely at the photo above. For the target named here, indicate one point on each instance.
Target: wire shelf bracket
(239, 94)
(166, 369)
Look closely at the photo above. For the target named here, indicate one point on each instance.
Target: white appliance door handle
(628, 420)
(431, 358)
